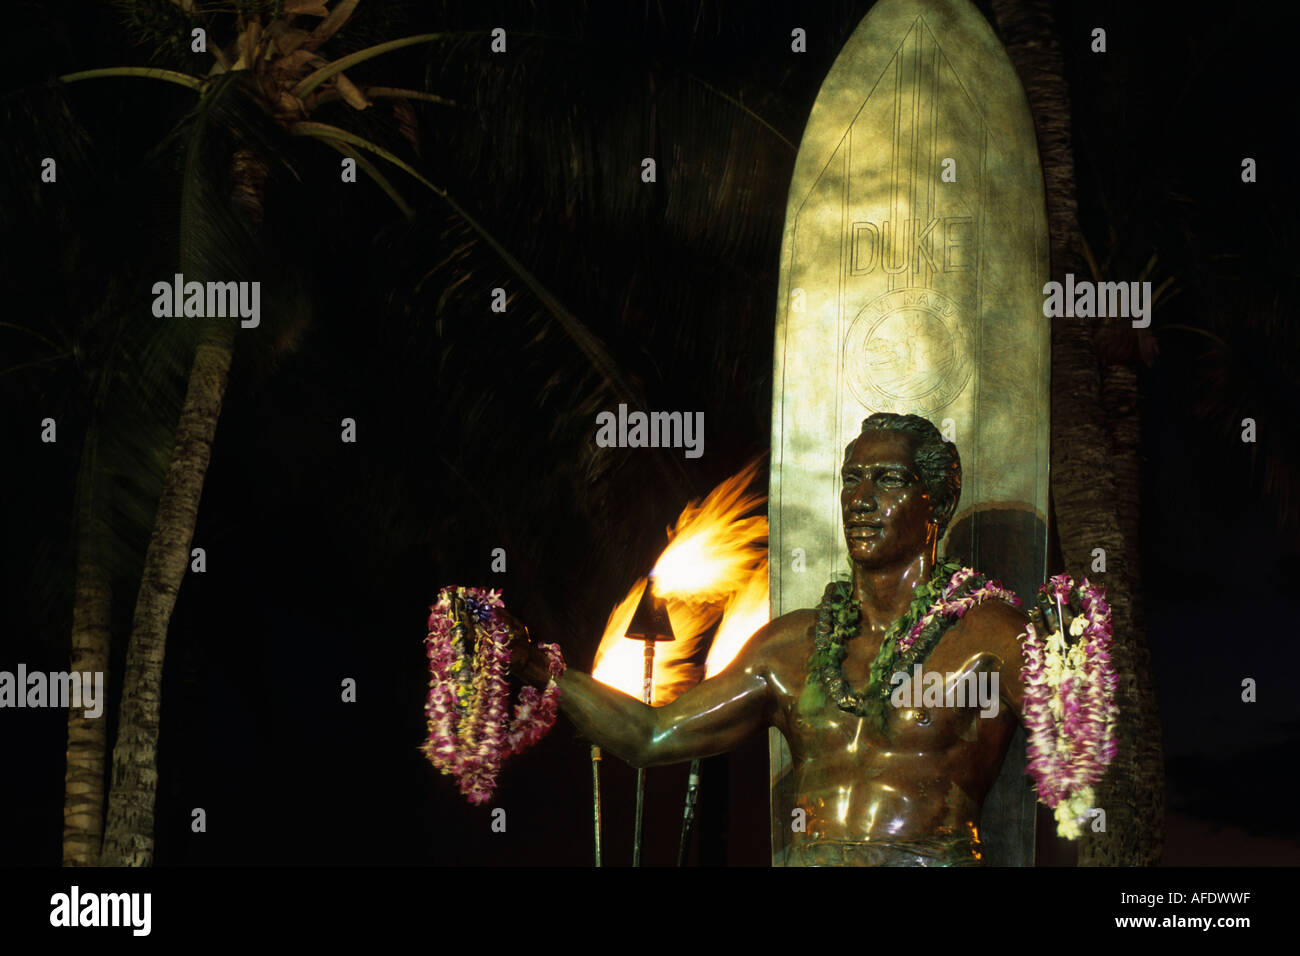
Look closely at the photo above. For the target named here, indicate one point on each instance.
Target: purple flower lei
(468, 700)
(1069, 700)
(951, 607)
(909, 639)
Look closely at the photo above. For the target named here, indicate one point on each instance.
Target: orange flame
(748, 611)
(714, 568)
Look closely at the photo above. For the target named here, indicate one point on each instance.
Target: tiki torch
(649, 624)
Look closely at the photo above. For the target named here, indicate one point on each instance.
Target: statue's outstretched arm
(710, 718)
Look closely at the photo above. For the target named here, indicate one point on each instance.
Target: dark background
(476, 429)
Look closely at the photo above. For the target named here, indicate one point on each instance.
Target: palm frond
(316, 78)
(370, 170)
(588, 343)
(339, 15)
(144, 72)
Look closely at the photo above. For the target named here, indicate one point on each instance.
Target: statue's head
(902, 480)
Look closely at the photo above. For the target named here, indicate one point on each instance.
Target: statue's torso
(925, 778)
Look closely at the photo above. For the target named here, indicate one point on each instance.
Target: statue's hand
(1043, 624)
(523, 657)
(1044, 615)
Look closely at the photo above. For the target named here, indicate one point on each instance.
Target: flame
(713, 569)
(748, 611)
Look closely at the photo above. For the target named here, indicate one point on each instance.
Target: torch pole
(595, 796)
(688, 813)
(647, 697)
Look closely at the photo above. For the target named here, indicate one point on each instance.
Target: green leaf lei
(837, 623)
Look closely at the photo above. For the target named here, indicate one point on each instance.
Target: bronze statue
(905, 790)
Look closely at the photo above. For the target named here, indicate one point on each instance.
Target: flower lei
(469, 657)
(1069, 703)
(936, 606)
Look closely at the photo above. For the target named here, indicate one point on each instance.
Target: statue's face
(887, 509)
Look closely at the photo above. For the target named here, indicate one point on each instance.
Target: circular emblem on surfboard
(908, 351)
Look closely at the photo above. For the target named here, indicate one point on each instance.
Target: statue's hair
(937, 461)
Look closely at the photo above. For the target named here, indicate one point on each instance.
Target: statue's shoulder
(996, 624)
(795, 626)
(786, 641)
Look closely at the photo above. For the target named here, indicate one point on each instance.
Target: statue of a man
(903, 787)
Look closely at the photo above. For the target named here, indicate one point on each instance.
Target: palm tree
(54, 342)
(1095, 443)
(269, 80)
(86, 360)
(270, 76)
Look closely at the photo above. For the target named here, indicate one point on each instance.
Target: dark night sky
(323, 559)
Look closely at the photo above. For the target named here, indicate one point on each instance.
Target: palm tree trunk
(1147, 785)
(1088, 476)
(83, 802)
(129, 838)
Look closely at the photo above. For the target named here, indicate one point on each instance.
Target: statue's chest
(913, 723)
(831, 734)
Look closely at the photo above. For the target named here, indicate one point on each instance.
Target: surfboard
(912, 266)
